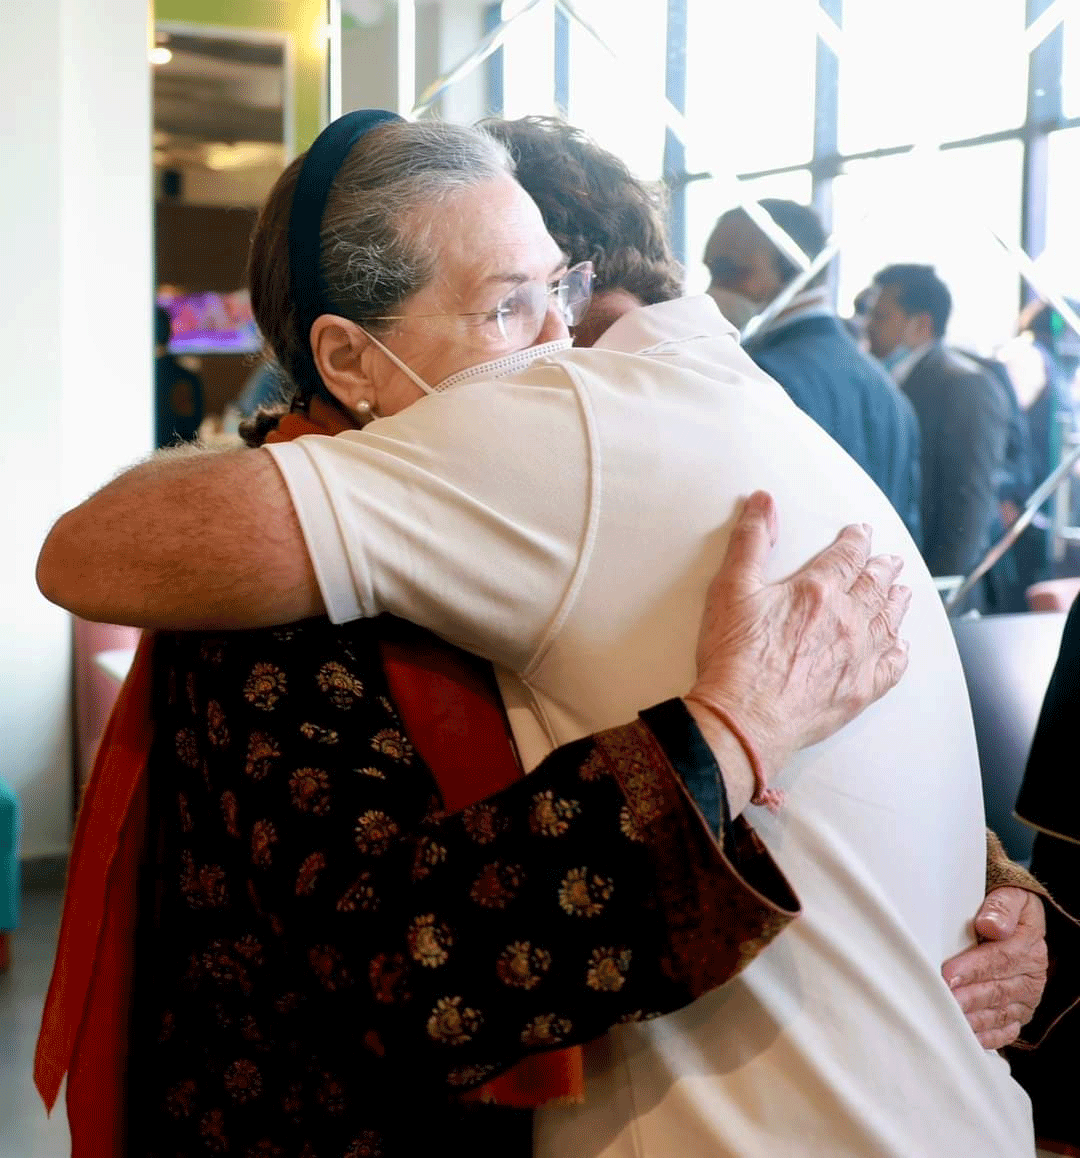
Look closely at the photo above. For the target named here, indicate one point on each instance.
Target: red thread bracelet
(771, 798)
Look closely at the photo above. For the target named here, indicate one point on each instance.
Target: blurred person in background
(808, 350)
(178, 393)
(964, 415)
(1042, 363)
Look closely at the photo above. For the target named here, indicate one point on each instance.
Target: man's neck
(811, 303)
(902, 370)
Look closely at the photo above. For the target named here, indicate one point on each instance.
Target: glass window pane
(528, 61)
(1070, 77)
(750, 84)
(937, 209)
(1060, 261)
(927, 70)
(617, 88)
(707, 200)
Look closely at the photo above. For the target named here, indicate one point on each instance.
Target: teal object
(10, 876)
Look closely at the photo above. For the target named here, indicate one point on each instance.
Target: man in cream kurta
(565, 523)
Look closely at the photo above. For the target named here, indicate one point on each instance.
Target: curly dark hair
(593, 206)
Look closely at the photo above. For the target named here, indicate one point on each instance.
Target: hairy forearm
(188, 539)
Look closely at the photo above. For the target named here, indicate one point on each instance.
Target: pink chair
(95, 689)
(1053, 595)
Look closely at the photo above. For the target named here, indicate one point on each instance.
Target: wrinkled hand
(794, 661)
(1000, 982)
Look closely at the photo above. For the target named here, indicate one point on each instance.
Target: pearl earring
(365, 411)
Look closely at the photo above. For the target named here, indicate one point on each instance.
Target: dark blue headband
(306, 284)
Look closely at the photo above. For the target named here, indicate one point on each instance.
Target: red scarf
(455, 720)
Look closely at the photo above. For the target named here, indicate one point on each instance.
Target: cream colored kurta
(565, 523)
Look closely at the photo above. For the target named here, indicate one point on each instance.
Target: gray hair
(376, 230)
(376, 249)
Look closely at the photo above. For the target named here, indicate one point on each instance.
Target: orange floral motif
(310, 790)
(639, 1015)
(386, 972)
(359, 895)
(428, 855)
(644, 798)
(374, 832)
(520, 965)
(470, 1075)
(212, 1131)
(374, 773)
(263, 836)
(293, 1102)
(483, 822)
(392, 743)
(452, 1024)
(629, 827)
(365, 1145)
(607, 969)
(428, 942)
(216, 728)
(328, 965)
(547, 1029)
(497, 885)
(264, 1149)
(331, 1095)
(203, 885)
(224, 968)
(187, 747)
(265, 686)
(551, 817)
(261, 751)
(180, 1100)
(250, 948)
(319, 734)
(212, 651)
(595, 767)
(583, 896)
(308, 876)
(186, 823)
(339, 684)
(249, 1029)
(243, 1081)
(230, 810)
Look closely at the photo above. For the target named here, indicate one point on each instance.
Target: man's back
(851, 397)
(566, 523)
(964, 419)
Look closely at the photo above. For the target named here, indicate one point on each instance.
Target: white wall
(75, 325)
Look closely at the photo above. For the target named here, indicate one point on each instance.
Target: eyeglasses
(518, 317)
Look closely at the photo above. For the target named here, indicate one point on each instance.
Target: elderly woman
(505, 514)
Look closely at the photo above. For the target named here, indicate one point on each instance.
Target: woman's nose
(554, 328)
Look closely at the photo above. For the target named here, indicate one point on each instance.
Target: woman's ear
(338, 347)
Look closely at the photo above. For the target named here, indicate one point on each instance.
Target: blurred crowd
(958, 440)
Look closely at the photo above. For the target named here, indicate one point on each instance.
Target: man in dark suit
(811, 354)
(963, 413)
(178, 408)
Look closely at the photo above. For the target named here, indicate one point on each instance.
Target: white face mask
(735, 307)
(496, 368)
